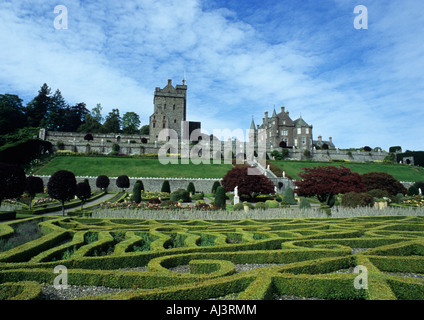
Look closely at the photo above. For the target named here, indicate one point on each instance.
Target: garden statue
(236, 197)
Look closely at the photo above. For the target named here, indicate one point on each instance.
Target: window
(299, 130)
(175, 120)
(154, 125)
(164, 106)
(163, 125)
(303, 140)
(284, 132)
(173, 107)
(307, 130)
(295, 142)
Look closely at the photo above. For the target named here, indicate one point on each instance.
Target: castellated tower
(170, 108)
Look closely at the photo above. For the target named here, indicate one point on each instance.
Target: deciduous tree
(123, 182)
(327, 181)
(247, 182)
(12, 181)
(33, 186)
(62, 186)
(83, 192)
(383, 181)
(130, 123)
(102, 182)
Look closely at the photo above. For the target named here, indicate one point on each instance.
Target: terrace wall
(155, 184)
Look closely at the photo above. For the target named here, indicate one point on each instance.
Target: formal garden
(338, 235)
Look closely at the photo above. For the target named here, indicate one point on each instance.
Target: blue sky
(240, 58)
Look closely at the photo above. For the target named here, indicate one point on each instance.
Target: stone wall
(150, 184)
(327, 155)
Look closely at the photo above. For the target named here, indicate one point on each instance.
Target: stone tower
(170, 108)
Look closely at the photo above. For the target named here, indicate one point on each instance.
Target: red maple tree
(247, 182)
(327, 181)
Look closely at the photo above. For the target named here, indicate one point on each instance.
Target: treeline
(50, 110)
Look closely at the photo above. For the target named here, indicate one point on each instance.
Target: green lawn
(400, 172)
(132, 167)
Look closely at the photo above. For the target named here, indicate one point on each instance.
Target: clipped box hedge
(310, 258)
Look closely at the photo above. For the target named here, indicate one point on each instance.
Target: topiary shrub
(190, 188)
(413, 191)
(62, 186)
(238, 207)
(33, 186)
(197, 196)
(123, 182)
(260, 205)
(304, 203)
(180, 194)
(220, 197)
(138, 187)
(289, 197)
(215, 185)
(325, 208)
(88, 137)
(272, 203)
(12, 181)
(83, 192)
(419, 185)
(357, 199)
(378, 193)
(102, 182)
(166, 187)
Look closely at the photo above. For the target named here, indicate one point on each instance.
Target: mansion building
(281, 130)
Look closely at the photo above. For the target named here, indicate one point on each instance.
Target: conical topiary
(166, 187)
(220, 197)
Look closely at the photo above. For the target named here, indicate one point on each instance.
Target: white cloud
(357, 87)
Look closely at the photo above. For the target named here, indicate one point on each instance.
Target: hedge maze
(218, 259)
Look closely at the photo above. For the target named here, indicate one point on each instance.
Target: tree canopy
(248, 183)
(62, 186)
(327, 181)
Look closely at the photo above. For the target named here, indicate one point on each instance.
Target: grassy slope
(113, 167)
(400, 172)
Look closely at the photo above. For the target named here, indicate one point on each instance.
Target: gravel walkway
(51, 293)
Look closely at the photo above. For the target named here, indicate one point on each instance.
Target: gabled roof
(300, 123)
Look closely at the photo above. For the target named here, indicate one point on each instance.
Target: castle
(282, 131)
(170, 109)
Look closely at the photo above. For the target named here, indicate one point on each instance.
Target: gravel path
(51, 293)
